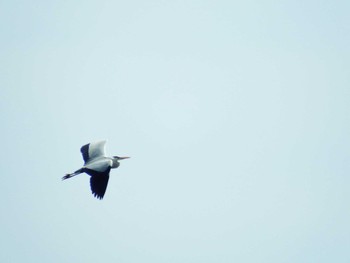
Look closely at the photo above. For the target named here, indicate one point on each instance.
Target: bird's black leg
(73, 174)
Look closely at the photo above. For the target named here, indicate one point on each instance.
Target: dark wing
(98, 184)
(85, 152)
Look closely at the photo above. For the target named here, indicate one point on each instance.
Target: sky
(235, 115)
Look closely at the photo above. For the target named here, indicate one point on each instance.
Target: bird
(97, 165)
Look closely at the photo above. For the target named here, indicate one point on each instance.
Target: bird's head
(116, 159)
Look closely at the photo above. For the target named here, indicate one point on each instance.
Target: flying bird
(97, 165)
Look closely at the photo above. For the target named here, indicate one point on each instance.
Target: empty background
(235, 115)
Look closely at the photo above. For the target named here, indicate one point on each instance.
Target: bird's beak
(121, 158)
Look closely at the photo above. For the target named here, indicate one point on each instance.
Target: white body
(100, 165)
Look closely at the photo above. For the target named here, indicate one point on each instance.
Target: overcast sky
(235, 115)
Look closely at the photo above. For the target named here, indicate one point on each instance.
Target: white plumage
(95, 150)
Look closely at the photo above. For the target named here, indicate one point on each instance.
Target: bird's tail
(72, 174)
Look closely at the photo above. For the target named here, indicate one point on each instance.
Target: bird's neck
(115, 163)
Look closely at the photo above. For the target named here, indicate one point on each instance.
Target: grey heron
(97, 165)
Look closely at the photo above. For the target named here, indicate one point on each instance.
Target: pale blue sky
(235, 114)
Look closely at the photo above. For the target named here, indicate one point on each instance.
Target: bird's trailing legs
(73, 174)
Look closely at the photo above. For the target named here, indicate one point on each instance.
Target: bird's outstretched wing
(93, 150)
(98, 184)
